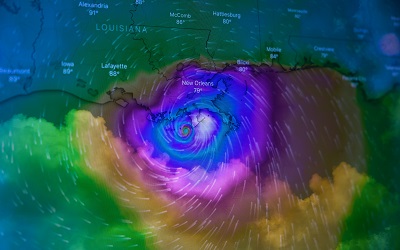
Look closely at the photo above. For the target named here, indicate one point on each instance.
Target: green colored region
(225, 32)
(374, 222)
(178, 44)
(48, 202)
(66, 45)
(381, 119)
(50, 105)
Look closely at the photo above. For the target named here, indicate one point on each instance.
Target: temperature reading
(273, 56)
(13, 78)
(93, 12)
(67, 71)
(180, 21)
(226, 21)
(197, 90)
(242, 69)
(113, 73)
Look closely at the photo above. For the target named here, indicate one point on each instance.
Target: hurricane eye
(185, 131)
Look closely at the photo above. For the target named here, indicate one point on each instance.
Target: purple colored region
(206, 131)
(205, 119)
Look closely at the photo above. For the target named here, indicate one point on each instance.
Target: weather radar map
(149, 124)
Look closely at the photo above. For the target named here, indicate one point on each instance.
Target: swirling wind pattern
(239, 157)
(208, 129)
